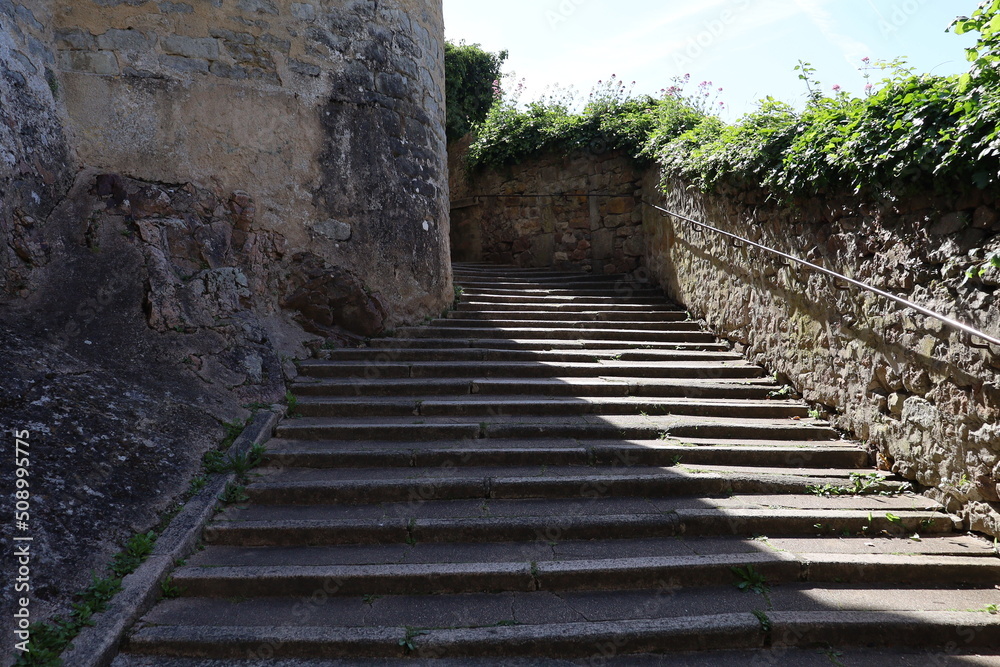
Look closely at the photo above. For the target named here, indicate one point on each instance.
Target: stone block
(258, 6)
(603, 244)
(949, 224)
(303, 11)
(335, 230)
(91, 62)
(190, 47)
(124, 40)
(175, 7)
(984, 218)
(186, 65)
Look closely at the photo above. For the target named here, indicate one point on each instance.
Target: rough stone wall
(590, 233)
(927, 404)
(35, 159)
(328, 114)
(192, 195)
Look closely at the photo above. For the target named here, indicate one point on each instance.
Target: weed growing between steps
(49, 639)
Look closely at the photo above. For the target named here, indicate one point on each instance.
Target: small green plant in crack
(234, 493)
(137, 549)
(370, 599)
(411, 634)
(750, 580)
(783, 393)
(861, 485)
(169, 589)
(765, 622)
(293, 404)
(893, 518)
(992, 609)
(815, 414)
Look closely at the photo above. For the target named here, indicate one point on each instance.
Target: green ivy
(922, 132)
(472, 78)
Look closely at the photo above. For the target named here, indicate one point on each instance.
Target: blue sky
(747, 47)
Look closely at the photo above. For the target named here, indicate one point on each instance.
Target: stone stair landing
(566, 470)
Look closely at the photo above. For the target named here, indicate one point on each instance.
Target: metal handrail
(736, 239)
(955, 324)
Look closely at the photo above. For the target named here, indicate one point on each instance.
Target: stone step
(783, 657)
(581, 316)
(584, 428)
(758, 389)
(303, 486)
(524, 404)
(605, 574)
(341, 454)
(528, 302)
(565, 290)
(291, 525)
(528, 333)
(726, 369)
(577, 306)
(596, 346)
(567, 323)
(486, 354)
(228, 630)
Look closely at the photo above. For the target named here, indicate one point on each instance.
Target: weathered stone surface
(328, 298)
(320, 110)
(922, 398)
(565, 227)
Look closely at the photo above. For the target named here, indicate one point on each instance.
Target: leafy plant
(234, 493)
(168, 589)
(861, 485)
(292, 401)
(137, 549)
(472, 83)
(750, 580)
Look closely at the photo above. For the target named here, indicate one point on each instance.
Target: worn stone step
(581, 639)
(716, 370)
(583, 427)
(545, 405)
(340, 454)
(596, 346)
(581, 316)
(486, 354)
(578, 306)
(962, 546)
(758, 389)
(527, 333)
(527, 302)
(784, 657)
(302, 486)
(567, 323)
(619, 573)
(425, 520)
(567, 289)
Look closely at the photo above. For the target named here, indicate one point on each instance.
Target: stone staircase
(568, 470)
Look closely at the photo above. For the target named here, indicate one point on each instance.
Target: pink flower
(836, 89)
(869, 86)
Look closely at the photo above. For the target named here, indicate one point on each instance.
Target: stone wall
(35, 159)
(926, 403)
(575, 225)
(328, 114)
(193, 195)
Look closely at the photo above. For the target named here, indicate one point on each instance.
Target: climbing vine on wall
(905, 129)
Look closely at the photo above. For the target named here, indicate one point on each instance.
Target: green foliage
(861, 485)
(907, 131)
(137, 549)
(611, 119)
(472, 78)
(750, 580)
